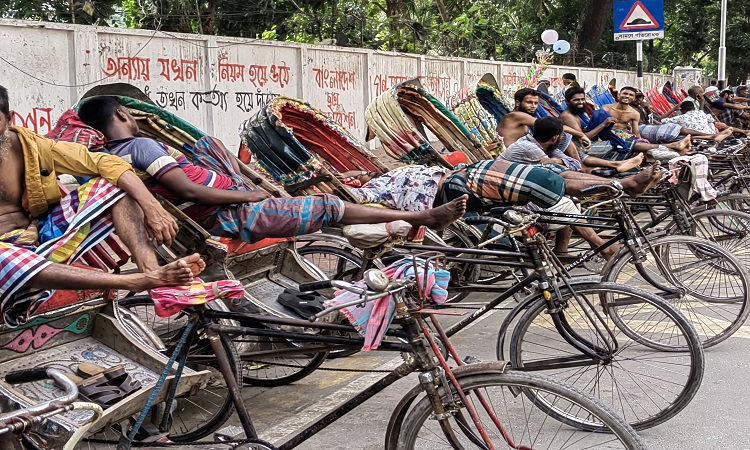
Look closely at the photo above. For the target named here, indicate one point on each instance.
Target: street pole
(721, 81)
(639, 63)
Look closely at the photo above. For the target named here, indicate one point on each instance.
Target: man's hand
(551, 161)
(610, 121)
(257, 195)
(160, 225)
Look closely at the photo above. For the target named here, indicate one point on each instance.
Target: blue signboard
(637, 20)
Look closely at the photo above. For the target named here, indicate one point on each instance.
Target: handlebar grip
(485, 220)
(315, 285)
(26, 375)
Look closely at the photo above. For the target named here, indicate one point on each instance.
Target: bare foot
(195, 263)
(723, 135)
(444, 215)
(637, 184)
(177, 273)
(631, 163)
(682, 146)
(608, 252)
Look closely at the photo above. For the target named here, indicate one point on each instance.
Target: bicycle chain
(233, 443)
(329, 369)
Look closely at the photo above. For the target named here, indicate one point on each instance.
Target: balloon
(561, 47)
(549, 37)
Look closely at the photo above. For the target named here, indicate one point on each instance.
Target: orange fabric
(237, 247)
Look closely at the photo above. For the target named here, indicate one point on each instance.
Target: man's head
(686, 107)
(575, 97)
(4, 117)
(527, 100)
(627, 95)
(568, 78)
(727, 95)
(741, 91)
(106, 114)
(548, 131)
(695, 92)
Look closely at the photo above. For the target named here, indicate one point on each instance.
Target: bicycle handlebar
(365, 295)
(315, 285)
(600, 189)
(60, 379)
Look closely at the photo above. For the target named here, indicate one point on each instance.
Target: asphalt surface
(717, 419)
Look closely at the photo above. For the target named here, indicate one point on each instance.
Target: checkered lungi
(270, 218)
(488, 182)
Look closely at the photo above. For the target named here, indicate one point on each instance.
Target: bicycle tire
(419, 418)
(258, 373)
(714, 282)
(343, 264)
(223, 414)
(535, 334)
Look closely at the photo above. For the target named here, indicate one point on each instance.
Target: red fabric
(70, 128)
(456, 158)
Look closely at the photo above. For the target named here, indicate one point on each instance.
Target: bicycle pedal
(229, 433)
(472, 360)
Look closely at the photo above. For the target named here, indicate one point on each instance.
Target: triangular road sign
(639, 19)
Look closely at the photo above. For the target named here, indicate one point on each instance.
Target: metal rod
(722, 75)
(639, 63)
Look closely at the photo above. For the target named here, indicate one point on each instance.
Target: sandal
(98, 390)
(116, 375)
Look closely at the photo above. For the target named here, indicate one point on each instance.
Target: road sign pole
(639, 63)
(723, 47)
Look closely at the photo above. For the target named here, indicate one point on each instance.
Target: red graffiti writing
(439, 86)
(513, 79)
(334, 79)
(130, 68)
(384, 82)
(39, 120)
(332, 100)
(179, 69)
(230, 72)
(347, 120)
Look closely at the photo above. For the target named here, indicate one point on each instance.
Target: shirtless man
(515, 125)
(138, 217)
(575, 98)
(627, 120)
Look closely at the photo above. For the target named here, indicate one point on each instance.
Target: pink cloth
(168, 301)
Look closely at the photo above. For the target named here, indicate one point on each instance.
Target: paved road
(718, 418)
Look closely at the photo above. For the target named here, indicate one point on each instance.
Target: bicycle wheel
(523, 424)
(335, 263)
(714, 284)
(268, 370)
(644, 385)
(728, 228)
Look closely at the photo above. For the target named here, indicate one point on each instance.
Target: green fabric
(447, 112)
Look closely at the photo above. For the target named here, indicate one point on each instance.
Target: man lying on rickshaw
(40, 226)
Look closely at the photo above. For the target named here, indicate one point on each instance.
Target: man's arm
(527, 120)
(160, 225)
(733, 106)
(599, 128)
(185, 189)
(634, 122)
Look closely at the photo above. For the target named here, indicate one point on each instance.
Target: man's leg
(633, 185)
(127, 218)
(620, 166)
(593, 239)
(288, 217)
(61, 276)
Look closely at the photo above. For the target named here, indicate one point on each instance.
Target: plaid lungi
(488, 182)
(270, 218)
(657, 134)
(76, 228)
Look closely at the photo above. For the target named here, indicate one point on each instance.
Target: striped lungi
(74, 229)
(657, 134)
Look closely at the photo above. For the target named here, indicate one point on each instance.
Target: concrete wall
(217, 82)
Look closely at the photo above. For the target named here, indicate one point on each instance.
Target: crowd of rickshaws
(588, 349)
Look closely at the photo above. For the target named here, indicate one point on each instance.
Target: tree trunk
(394, 11)
(594, 19)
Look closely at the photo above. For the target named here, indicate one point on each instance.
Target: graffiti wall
(217, 82)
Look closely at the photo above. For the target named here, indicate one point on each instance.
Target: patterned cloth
(656, 134)
(725, 115)
(699, 166)
(70, 128)
(372, 319)
(488, 182)
(528, 151)
(694, 120)
(77, 226)
(169, 301)
(411, 188)
(629, 139)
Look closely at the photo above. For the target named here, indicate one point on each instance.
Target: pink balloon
(549, 37)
